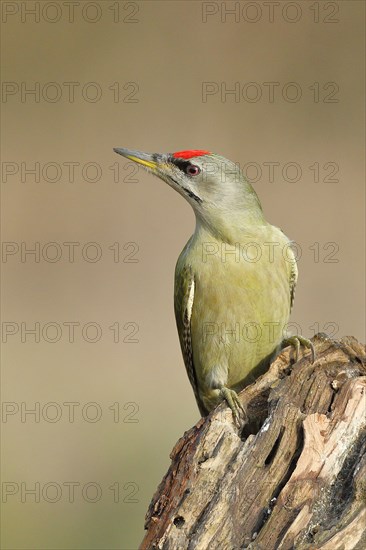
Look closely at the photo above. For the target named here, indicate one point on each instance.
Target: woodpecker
(235, 278)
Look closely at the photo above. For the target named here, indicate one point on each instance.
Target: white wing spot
(190, 301)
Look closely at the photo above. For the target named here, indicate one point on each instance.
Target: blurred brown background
(131, 74)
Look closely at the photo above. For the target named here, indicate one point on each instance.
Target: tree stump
(293, 478)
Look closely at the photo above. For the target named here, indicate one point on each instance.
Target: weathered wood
(295, 477)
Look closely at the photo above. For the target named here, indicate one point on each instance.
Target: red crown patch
(190, 154)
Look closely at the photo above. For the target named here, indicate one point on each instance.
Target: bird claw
(232, 399)
(297, 341)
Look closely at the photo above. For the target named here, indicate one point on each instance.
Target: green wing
(184, 288)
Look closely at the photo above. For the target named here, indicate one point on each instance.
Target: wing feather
(184, 293)
(293, 279)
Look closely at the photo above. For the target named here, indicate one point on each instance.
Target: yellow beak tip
(147, 163)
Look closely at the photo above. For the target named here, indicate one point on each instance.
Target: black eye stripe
(181, 164)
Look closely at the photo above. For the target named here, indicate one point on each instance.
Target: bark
(294, 477)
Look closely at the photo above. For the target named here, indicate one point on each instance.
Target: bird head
(215, 187)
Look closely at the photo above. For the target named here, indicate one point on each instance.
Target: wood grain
(293, 477)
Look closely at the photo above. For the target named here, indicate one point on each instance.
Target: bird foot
(297, 341)
(232, 399)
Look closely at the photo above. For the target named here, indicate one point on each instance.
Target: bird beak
(148, 160)
(161, 166)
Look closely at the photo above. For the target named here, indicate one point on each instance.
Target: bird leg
(297, 341)
(232, 399)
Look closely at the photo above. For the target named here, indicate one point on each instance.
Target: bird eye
(192, 170)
